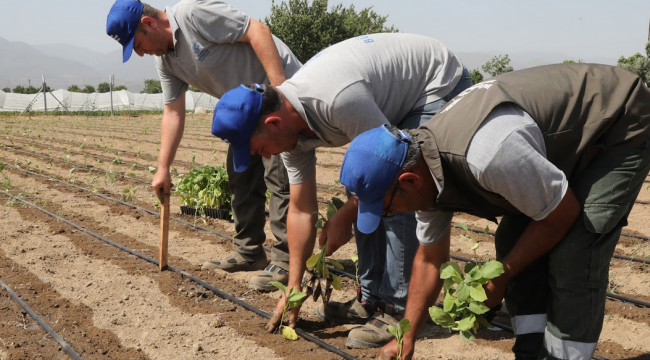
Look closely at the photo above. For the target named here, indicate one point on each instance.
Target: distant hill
(65, 64)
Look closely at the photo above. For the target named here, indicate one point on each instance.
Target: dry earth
(108, 304)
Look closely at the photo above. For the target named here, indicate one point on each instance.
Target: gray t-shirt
(362, 83)
(207, 52)
(507, 156)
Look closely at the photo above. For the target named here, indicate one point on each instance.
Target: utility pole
(44, 90)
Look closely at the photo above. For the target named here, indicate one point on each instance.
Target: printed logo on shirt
(484, 85)
(365, 38)
(199, 51)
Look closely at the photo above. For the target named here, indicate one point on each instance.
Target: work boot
(375, 332)
(276, 271)
(237, 262)
(350, 312)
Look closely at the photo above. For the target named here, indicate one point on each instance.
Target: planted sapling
(293, 299)
(403, 326)
(319, 281)
(464, 297)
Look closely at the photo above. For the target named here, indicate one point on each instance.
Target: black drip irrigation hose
(202, 283)
(42, 323)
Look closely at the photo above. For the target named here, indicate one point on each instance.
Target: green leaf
(492, 269)
(2, 167)
(481, 320)
(354, 257)
(319, 223)
(336, 282)
(466, 323)
(280, 286)
(440, 317)
(477, 292)
(478, 307)
(448, 303)
(331, 210)
(337, 265)
(297, 296)
(486, 230)
(467, 336)
(289, 333)
(469, 267)
(451, 270)
(463, 226)
(404, 325)
(447, 285)
(475, 246)
(462, 292)
(393, 330)
(313, 261)
(338, 203)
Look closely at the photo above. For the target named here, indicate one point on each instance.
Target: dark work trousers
(248, 205)
(557, 304)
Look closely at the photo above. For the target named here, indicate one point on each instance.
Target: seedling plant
(205, 187)
(320, 281)
(403, 326)
(293, 299)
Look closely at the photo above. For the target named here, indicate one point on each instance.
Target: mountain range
(63, 65)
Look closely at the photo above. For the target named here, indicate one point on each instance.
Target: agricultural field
(74, 187)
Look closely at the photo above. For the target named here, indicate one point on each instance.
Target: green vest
(581, 109)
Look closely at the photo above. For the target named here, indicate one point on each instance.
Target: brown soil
(108, 304)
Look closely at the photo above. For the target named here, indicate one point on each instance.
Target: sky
(579, 28)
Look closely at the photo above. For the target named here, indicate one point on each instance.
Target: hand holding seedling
(279, 315)
(495, 290)
(292, 300)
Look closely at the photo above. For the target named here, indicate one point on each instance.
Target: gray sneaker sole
(340, 321)
(357, 344)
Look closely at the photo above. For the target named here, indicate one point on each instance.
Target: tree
(498, 65)
(103, 87)
(638, 64)
(19, 89)
(89, 89)
(7, 90)
(31, 90)
(308, 29)
(151, 86)
(74, 88)
(476, 76)
(119, 87)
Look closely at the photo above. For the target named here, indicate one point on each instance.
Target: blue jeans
(386, 255)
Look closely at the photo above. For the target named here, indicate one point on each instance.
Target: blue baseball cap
(121, 23)
(370, 166)
(234, 121)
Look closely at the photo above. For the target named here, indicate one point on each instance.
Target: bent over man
(346, 89)
(561, 152)
(215, 47)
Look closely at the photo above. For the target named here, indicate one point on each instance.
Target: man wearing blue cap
(561, 152)
(346, 89)
(215, 47)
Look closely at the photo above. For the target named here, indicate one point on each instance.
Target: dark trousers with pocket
(248, 205)
(557, 304)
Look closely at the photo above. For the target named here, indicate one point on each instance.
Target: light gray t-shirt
(507, 156)
(362, 83)
(207, 52)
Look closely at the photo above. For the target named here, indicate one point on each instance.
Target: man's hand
(162, 180)
(337, 232)
(495, 290)
(275, 320)
(389, 351)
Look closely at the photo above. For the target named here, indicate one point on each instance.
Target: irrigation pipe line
(459, 258)
(200, 282)
(42, 323)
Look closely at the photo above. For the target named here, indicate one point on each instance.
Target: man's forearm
(171, 133)
(301, 236)
(261, 40)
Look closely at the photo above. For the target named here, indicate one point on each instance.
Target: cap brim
(369, 216)
(128, 50)
(241, 157)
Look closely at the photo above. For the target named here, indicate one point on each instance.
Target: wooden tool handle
(164, 231)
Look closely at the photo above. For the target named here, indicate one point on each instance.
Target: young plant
(320, 281)
(293, 299)
(355, 260)
(205, 187)
(403, 326)
(464, 297)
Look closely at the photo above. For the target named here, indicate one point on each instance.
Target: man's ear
(148, 21)
(274, 120)
(410, 181)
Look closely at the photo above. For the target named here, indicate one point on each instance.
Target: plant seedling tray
(210, 212)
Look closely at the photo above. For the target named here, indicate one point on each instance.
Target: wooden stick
(164, 230)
